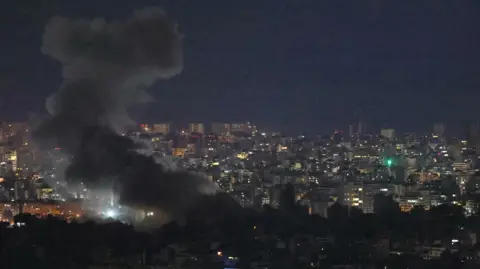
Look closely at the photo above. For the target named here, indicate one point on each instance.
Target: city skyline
(461, 130)
(240, 134)
(299, 65)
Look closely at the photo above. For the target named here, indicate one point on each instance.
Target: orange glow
(44, 209)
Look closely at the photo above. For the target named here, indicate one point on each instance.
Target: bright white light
(111, 214)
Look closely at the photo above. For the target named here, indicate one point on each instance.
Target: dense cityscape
(239, 134)
(342, 200)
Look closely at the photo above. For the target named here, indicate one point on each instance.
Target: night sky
(305, 65)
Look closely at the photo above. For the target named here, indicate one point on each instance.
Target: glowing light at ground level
(111, 213)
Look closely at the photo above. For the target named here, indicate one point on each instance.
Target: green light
(389, 162)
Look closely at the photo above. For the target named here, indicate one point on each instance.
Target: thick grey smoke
(107, 66)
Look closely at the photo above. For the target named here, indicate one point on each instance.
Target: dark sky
(299, 64)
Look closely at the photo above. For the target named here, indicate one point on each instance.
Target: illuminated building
(45, 193)
(471, 207)
(368, 204)
(10, 158)
(425, 176)
(429, 198)
(243, 127)
(461, 180)
(161, 128)
(242, 155)
(191, 149)
(460, 166)
(196, 128)
(388, 133)
(281, 148)
(408, 203)
(179, 152)
(65, 210)
(353, 194)
(18, 154)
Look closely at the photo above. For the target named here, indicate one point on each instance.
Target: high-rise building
(352, 194)
(10, 158)
(161, 128)
(439, 129)
(196, 128)
(388, 133)
(243, 127)
(221, 128)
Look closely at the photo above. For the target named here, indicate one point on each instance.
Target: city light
(326, 176)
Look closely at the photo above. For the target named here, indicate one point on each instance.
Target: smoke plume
(107, 66)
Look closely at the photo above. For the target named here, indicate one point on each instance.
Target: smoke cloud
(107, 66)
